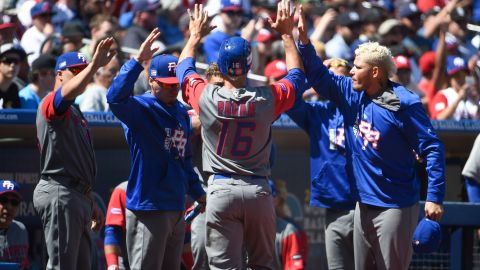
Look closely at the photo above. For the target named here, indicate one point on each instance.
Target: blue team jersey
(323, 122)
(159, 140)
(381, 140)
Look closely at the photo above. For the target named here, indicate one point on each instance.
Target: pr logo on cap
(7, 184)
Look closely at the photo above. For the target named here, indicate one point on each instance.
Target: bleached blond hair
(377, 55)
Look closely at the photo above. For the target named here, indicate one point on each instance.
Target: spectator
(115, 230)
(460, 100)
(63, 197)
(70, 40)
(348, 26)
(65, 11)
(101, 26)
(275, 70)
(410, 18)
(13, 234)
(10, 57)
(144, 21)
(7, 31)
(41, 28)
(158, 132)
(42, 80)
(231, 13)
(94, 99)
(458, 29)
(371, 19)
(404, 75)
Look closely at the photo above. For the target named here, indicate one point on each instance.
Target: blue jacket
(159, 140)
(380, 140)
(323, 122)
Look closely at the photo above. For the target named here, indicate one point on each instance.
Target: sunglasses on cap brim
(76, 69)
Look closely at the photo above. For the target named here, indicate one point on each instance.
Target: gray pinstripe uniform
(67, 163)
(236, 131)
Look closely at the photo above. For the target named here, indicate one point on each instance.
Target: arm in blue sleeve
(61, 105)
(328, 85)
(299, 112)
(298, 80)
(121, 91)
(184, 69)
(113, 235)
(421, 135)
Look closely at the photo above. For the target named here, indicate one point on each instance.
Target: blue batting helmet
(234, 56)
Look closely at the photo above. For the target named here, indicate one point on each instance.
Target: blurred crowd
(434, 42)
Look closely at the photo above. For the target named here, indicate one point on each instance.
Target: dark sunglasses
(10, 61)
(234, 12)
(13, 202)
(76, 69)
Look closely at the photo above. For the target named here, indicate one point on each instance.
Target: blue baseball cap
(408, 10)
(163, 68)
(455, 64)
(41, 8)
(427, 236)
(70, 59)
(230, 5)
(10, 186)
(145, 5)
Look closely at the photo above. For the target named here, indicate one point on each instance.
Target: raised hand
(284, 22)
(146, 50)
(103, 54)
(199, 24)
(302, 27)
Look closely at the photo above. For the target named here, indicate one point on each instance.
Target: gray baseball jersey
(236, 129)
(472, 166)
(236, 124)
(14, 244)
(66, 148)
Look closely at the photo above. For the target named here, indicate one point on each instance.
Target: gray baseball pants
(66, 215)
(383, 236)
(240, 216)
(154, 239)
(339, 238)
(198, 242)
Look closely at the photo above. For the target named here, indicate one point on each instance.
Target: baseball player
(115, 224)
(383, 122)
(236, 131)
(157, 129)
(330, 185)
(13, 234)
(62, 197)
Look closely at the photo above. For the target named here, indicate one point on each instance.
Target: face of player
(68, 73)
(8, 209)
(362, 74)
(166, 93)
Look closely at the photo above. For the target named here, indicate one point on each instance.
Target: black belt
(228, 176)
(72, 183)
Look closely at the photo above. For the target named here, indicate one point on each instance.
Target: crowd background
(435, 50)
(434, 43)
